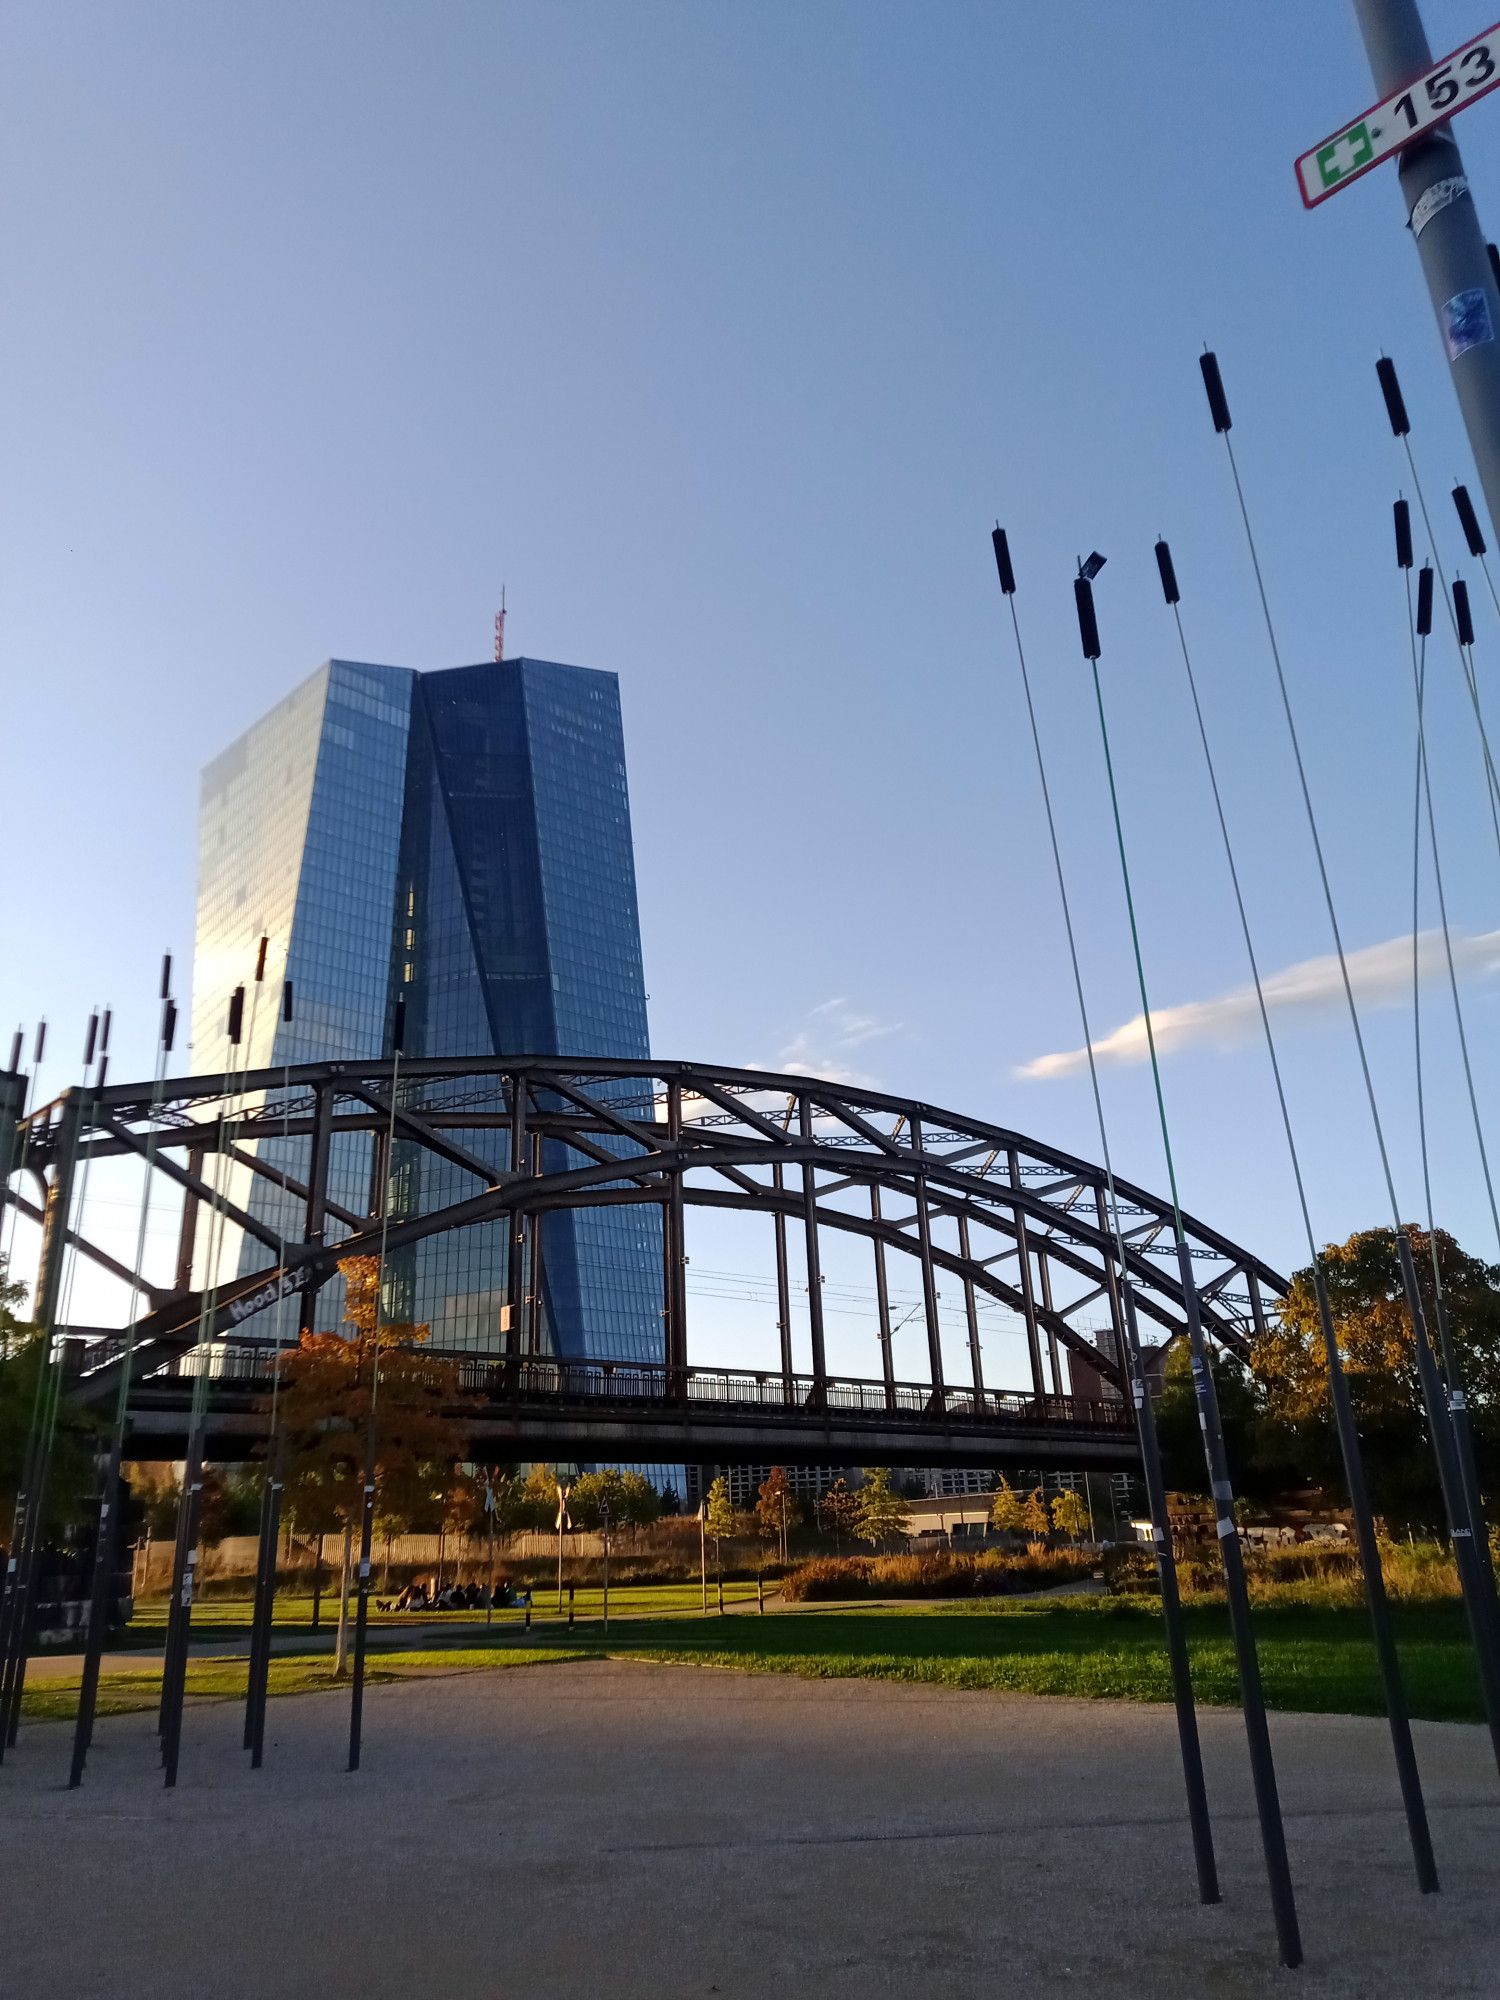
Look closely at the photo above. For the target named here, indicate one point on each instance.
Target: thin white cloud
(834, 1028)
(1380, 974)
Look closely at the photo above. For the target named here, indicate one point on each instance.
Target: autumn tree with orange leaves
(323, 1413)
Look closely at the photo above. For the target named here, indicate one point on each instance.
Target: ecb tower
(461, 839)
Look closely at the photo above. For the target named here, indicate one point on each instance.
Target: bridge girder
(1032, 1223)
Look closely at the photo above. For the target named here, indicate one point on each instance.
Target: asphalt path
(643, 1832)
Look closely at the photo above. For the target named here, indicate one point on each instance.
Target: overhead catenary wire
(1476, 1596)
(1397, 1711)
(1252, 1698)
(1123, 1315)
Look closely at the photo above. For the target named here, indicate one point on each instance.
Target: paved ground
(613, 1831)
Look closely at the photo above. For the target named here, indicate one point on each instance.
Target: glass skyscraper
(462, 838)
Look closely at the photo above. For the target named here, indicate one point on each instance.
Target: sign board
(1471, 72)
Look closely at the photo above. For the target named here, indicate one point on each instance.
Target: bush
(995, 1573)
(1320, 1575)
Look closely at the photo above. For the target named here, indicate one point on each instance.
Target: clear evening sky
(722, 335)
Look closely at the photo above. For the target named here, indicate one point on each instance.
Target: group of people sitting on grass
(425, 1594)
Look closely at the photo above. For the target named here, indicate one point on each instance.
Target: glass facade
(462, 837)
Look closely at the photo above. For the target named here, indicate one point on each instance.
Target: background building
(463, 838)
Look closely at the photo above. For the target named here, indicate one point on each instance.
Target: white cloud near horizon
(1380, 974)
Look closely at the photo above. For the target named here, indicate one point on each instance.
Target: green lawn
(226, 1617)
(1317, 1660)
(1310, 1660)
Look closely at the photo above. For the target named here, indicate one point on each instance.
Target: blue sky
(722, 336)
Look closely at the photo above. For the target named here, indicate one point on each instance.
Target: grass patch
(122, 1692)
(1318, 1661)
(226, 1617)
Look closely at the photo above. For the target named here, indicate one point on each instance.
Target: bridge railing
(247, 1367)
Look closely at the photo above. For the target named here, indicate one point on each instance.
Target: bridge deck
(603, 1411)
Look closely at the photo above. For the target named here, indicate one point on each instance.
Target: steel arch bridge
(1004, 1216)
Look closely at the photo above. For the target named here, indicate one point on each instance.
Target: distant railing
(619, 1383)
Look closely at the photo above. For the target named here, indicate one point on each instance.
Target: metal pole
(1028, 1296)
(814, 1268)
(1242, 1628)
(174, 1689)
(783, 1297)
(260, 1687)
(100, 1595)
(971, 1310)
(883, 1306)
(48, 1293)
(1450, 242)
(703, 1552)
(676, 1272)
(924, 1258)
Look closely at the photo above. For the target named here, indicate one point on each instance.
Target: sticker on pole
(1450, 86)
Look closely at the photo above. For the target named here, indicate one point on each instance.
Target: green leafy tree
(23, 1361)
(640, 1503)
(1070, 1513)
(1006, 1513)
(719, 1516)
(632, 1500)
(1242, 1415)
(1036, 1518)
(1363, 1276)
(537, 1505)
(882, 1515)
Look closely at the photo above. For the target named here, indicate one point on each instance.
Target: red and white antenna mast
(500, 628)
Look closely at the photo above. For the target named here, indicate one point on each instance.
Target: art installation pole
(1122, 1313)
(1477, 1601)
(367, 1495)
(1252, 1698)
(1365, 1534)
(108, 1529)
(1445, 228)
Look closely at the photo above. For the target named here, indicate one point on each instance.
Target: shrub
(939, 1574)
(1320, 1575)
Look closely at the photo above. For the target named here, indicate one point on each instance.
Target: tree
(718, 1516)
(327, 1382)
(1035, 1517)
(640, 1503)
(23, 1360)
(838, 1511)
(1363, 1276)
(537, 1505)
(228, 1504)
(632, 1500)
(671, 1500)
(882, 1514)
(1070, 1513)
(1006, 1510)
(1242, 1418)
(776, 1508)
